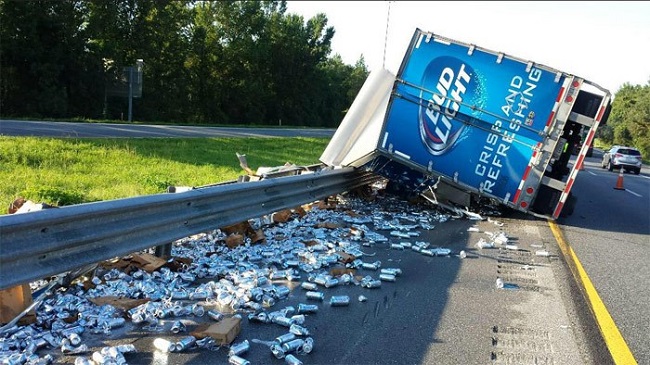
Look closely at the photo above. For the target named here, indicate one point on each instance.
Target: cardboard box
(124, 304)
(223, 332)
(338, 271)
(234, 240)
(281, 216)
(13, 301)
(148, 262)
(345, 257)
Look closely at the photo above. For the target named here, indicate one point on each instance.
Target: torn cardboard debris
(14, 301)
(338, 271)
(345, 257)
(281, 216)
(328, 225)
(124, 304)
(234, 240)
(148, 262)
(246, 230)
(223, 332)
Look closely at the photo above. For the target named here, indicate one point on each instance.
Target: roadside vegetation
(191, 62)
(62, 171)
(629, 121)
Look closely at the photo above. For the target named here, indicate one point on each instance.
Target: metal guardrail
(39, 244)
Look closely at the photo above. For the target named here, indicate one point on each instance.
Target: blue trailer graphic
(462, 123)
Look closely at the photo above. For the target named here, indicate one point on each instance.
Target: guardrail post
(164, 250)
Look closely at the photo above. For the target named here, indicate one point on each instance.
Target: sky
(605, 42)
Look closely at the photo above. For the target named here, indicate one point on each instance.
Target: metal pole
(130, 93)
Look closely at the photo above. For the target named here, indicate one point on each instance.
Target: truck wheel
(637, 171)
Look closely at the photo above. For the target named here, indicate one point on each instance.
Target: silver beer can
(239, 348)
(339, 300)
(387, 277)
(315, 295)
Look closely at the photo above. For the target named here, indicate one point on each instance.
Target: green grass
(62, 171)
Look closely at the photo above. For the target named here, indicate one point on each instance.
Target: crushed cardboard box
(148, 262)
(328, 225)
(345, 257)
(300, 211)
(223, 332)
(244, 229)
(233, 240)
(14, 301)
(281, 216)
(309, 243)
(124, 304)
(338, 271)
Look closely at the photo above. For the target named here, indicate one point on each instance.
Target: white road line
(633, 193)
(592, 173)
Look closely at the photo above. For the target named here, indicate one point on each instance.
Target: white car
(622, 157)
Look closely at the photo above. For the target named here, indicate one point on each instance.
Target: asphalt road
(446, 309)
(440, 310)
(610, 233)
(110, 130)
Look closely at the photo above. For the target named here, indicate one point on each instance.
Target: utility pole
(130, 93)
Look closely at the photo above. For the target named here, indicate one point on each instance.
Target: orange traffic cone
(619, 182)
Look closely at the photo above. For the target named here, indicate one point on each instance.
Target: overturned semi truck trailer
(461, 124)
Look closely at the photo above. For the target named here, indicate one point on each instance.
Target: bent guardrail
(48, 242)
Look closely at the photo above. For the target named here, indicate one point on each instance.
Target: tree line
(212, 62)
(629, 120)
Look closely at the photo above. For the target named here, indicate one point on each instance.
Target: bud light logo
(445, 82)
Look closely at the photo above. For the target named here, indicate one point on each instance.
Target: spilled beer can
(298, 330)
(215, 315)
(315, 295)
(184, 343)
(292, 345)
(236, 360)
(307, 308)
(285, 338)
(387, 277)
(178, 327)
(239, 348)
(292, 360)
(308, 286)
(339, 300)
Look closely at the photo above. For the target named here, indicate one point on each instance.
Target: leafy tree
(204, 61)
(46, 69)
(630, 117)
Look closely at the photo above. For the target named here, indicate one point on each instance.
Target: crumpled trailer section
(459, 122)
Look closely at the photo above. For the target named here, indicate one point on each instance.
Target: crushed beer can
(178, 327)
(298, 330)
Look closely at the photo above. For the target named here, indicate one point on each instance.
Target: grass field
(63, 171)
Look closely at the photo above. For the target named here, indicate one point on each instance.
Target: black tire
(637, 171)
(610, 167)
